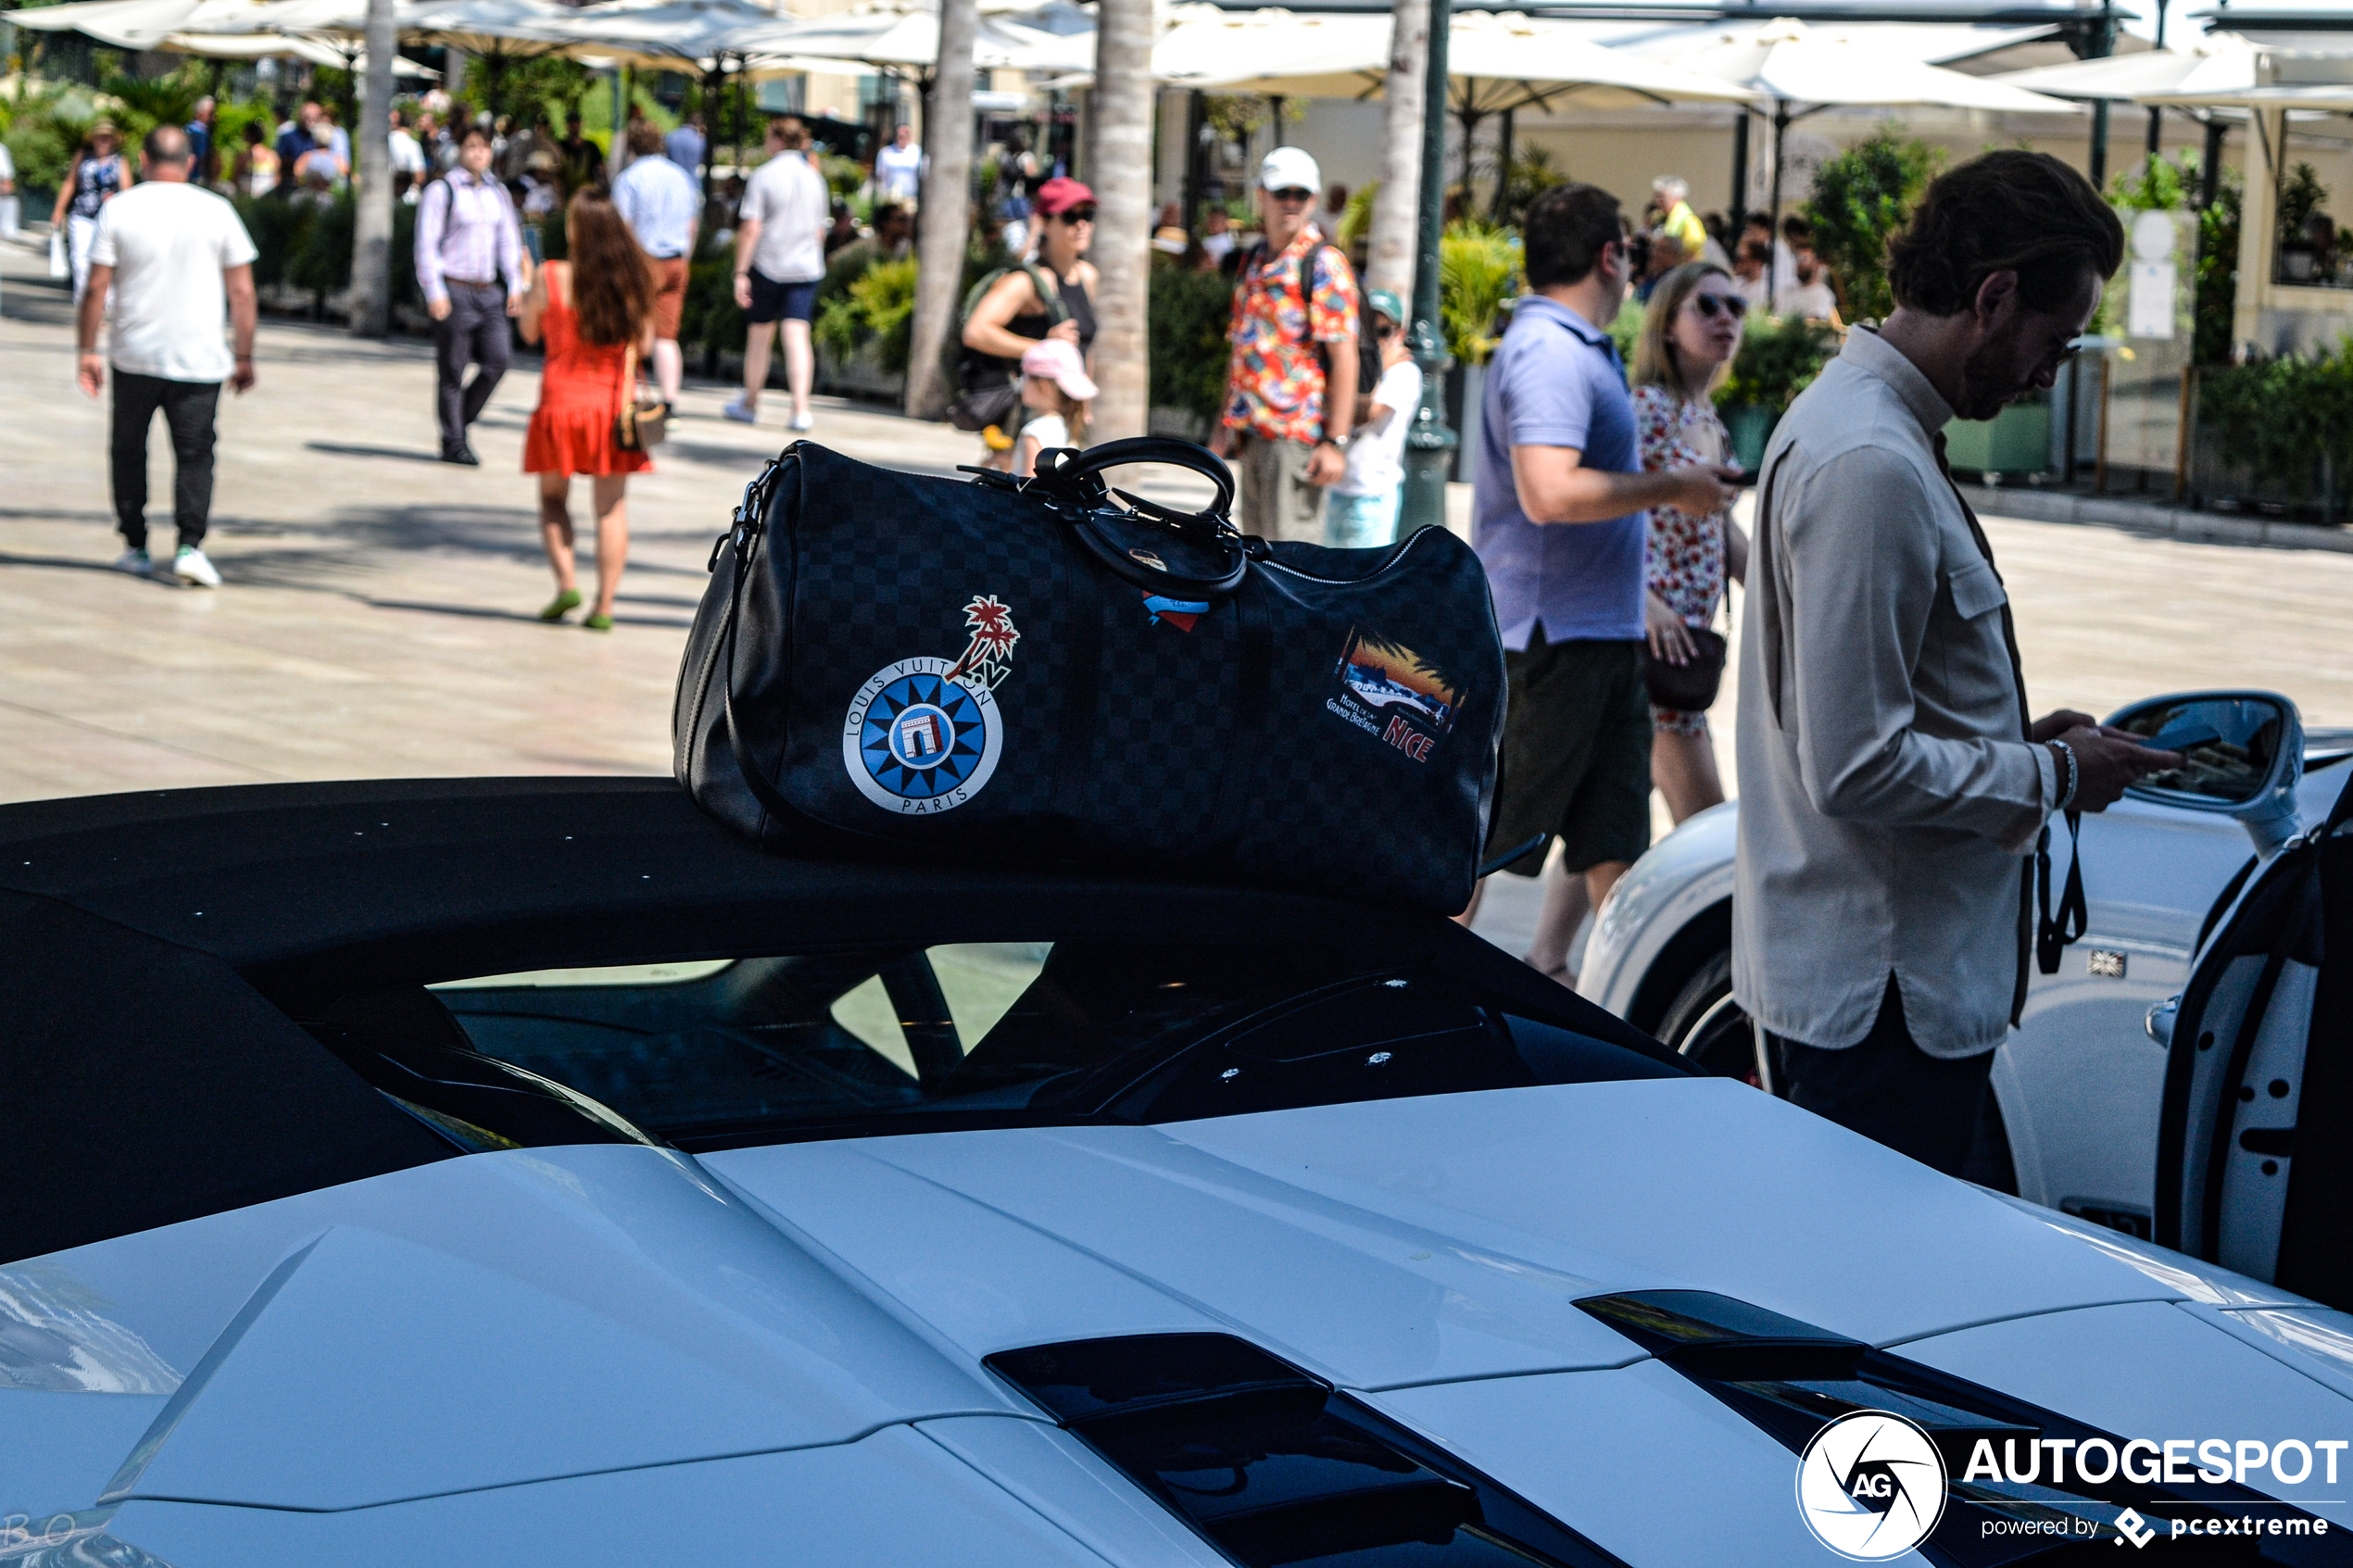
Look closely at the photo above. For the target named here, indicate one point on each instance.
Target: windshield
(722, 1052)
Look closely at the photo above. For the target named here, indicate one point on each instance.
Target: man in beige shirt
(1893, 789)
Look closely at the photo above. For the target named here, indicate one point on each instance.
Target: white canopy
(663, 33)
(904, 34)
(1787, 61)
(1495, 61)
(261, 45)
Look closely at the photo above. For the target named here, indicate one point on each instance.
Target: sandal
(563, 603)
(596, 621)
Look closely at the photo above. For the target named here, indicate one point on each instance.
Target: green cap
(1384, 301)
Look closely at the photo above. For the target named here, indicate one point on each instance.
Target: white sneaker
(741, 412)
(801, 422)
(190, 566)
(134, 562)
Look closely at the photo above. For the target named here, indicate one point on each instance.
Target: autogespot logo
(1870, 1485)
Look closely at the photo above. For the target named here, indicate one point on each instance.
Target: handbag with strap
(1025, 671)
(1690, 686)
(643, 422)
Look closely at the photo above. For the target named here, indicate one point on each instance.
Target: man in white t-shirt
(1362, 509)
(179, 266)
(780, 259)
(899, 169)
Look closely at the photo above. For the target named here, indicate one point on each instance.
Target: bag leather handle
(1074, 478)
(1077, 478)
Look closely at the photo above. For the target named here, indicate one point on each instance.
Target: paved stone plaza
(378, 612)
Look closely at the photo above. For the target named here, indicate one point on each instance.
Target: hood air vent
(1790, 1379)
(1276, 1467)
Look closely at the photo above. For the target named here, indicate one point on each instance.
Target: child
(1055, 388)
(1363, 508)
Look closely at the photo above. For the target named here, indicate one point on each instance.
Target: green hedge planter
(2017, 440)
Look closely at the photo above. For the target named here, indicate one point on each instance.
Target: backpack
(988, 391)
(1369, 365)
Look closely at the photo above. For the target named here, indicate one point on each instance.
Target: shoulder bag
(643, 422)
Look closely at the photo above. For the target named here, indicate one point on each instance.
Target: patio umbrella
(124, 24)
(904, 35)
(663, 33)
(1789, 62)
(1497, 63)
(264, 45)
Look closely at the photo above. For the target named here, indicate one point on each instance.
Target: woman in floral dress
(1690, 335)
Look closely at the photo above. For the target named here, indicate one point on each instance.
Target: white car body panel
(894, 1500)
(2102, 1365)
(2079, 1082)
(569, 1355)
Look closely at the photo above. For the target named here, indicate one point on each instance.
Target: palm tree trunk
(371, 224)
(944, 217)
(1389, 264)
(1119, 166)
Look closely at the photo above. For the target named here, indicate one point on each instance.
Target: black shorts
(772, 301)
(1576, 761)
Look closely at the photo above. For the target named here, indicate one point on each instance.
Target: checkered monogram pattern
(1232, 750)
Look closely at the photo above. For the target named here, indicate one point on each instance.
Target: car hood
(518, 1317)
(1410, 1241)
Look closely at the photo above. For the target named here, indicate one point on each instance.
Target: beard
(1987, 383)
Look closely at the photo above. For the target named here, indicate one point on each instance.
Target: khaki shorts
(1576, 761)
(1277, 500)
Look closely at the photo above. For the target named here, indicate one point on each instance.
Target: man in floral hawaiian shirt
(1290, 388)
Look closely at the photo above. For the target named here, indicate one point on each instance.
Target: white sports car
(2081, 1084)
(526, 1171)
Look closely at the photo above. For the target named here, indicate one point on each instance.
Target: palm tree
(371, 224)
(1389, 264)
(1119, 168)
(944, 217)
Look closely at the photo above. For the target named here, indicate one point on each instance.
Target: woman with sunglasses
(1052, 298)
(1690, 335)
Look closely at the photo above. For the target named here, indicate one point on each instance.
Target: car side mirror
(2245, 751)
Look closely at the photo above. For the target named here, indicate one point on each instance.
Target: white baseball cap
(1290, 169)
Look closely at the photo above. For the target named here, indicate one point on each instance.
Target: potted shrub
(1779, 358)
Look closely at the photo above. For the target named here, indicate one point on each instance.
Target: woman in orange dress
(593, 310)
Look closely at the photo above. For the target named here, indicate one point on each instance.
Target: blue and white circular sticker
(916, 740)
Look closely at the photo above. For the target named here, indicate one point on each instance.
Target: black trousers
(1890, 1090)
(188, 409)
(475, 332)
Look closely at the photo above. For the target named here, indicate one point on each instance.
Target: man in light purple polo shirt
(1558, 518)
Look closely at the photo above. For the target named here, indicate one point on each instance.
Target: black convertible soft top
(156, 949)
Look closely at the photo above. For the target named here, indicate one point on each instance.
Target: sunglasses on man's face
(1293, 196)
(1709, 304)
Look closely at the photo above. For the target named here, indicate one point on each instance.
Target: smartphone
(2183, 738)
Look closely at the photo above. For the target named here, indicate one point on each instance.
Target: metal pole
(1429, 445)
(2103, 45)
(1773, 248)
(2211, 171)
(1739, 172)
(1502, 164)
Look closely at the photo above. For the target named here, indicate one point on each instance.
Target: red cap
(1061, 194)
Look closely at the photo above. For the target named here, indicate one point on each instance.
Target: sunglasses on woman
(1078, 215)
(1707, 305)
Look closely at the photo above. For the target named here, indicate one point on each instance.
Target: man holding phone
(1893, 784)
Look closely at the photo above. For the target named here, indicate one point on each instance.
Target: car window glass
(867, 1012)
(610, 974)
(981, 981)
(839, 1043)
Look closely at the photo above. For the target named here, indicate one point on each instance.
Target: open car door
(2255, 1152)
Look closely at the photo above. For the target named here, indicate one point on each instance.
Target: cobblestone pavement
(378, 613)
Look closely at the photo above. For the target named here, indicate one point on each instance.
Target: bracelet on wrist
(2074, 777)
